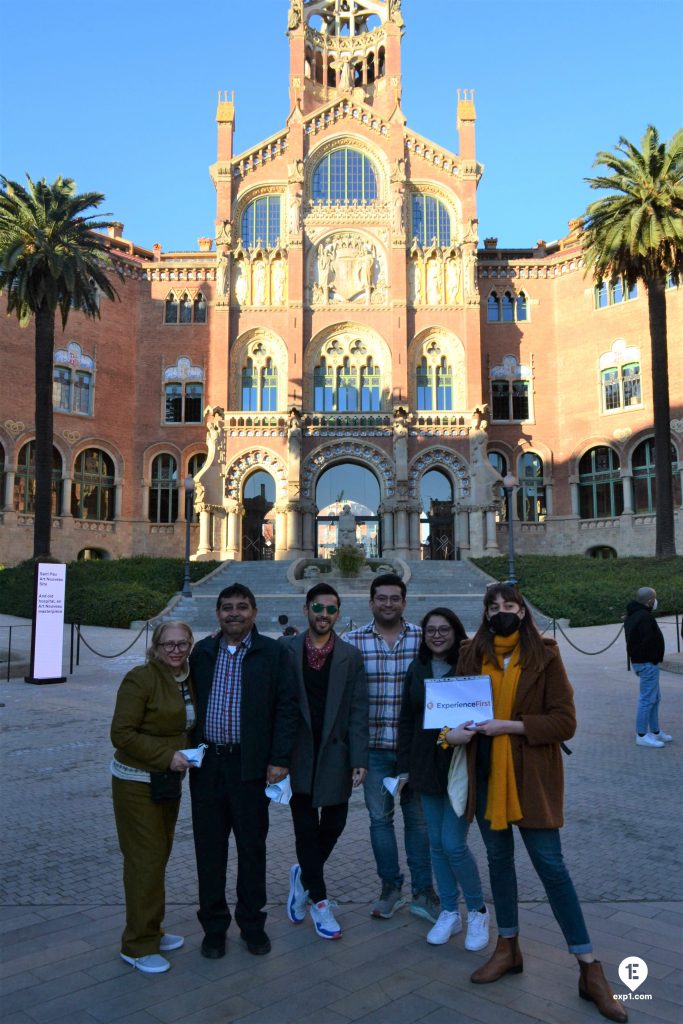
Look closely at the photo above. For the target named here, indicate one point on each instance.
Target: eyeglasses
(170, 646)
(438, 630)
(331, 609)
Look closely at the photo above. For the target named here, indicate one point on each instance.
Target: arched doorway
(354, 485)
(258, 525)
(437, 540)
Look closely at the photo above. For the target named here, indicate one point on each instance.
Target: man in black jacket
(247, 714)
(645, 646)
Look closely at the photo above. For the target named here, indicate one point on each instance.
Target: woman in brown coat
(154, 711)
(516, 777)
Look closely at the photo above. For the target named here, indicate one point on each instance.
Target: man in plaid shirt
(388, 644)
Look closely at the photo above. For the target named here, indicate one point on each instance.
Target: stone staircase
(458, 585)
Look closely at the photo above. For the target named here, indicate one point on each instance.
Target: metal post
(509, 483)
(71, 651)
(189, 493)
(9, 654)
(78, 642)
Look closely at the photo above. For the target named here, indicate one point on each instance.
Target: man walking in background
(388, 644)
(645, 646)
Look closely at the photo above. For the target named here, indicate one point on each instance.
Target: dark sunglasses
(317, 607)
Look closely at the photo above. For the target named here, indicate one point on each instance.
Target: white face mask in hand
(654, 605)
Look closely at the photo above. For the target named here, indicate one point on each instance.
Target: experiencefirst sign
(47, 640)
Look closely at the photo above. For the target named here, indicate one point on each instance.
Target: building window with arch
(259, 386)
(370, 387)
(644, 491)
(620, 378)
(183, 392)
(510, 391)
(25, 480)
(610, 293)
(353, 387)
(185, 308)
(72, 381)
(434, 382)
(260, 224)
(531, 502)
(163, 492)
(431, 221)
(507, 309)
(93, 491)
(344, 176)
(601, 494)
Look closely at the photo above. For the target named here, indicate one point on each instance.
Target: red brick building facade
(346, 316)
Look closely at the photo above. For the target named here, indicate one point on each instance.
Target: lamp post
(509, 483)
(189, 495)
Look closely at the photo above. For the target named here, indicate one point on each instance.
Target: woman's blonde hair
(159, 632)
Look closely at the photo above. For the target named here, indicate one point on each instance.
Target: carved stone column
(280, 513)
(401, 537)
(627, 488)
(67, 484)
(309, 539)
(414, 544)
(233, 530)
(293, 531)
(8, 497)
(463, 531)
(203, 547)
(549, 500)
(491, 535)
(387, 530)
(118, 499)
(476, 533)
(574, 492)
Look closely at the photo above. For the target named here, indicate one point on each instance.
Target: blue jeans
(647, 715)
(545, 852)
(380, 805)
(454, 866)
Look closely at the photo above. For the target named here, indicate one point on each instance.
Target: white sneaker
(477, 930)
(648, 740)
(326, 925)
(151, 964)
(448, 923)
(298, 897)
(663, 736)
(169, 942)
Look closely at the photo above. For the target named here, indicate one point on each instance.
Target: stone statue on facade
(453, 274)
(434, 296)
(224, 233)
(395, 13)
(470, 261)
(414, 282)
(346, 528)
(278, 282)
(295, 14)
(223, 274)
(259, 283)
(240, 283)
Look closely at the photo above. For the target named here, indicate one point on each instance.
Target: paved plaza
(62, 907)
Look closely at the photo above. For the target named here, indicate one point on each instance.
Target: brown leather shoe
(594, 986)
(506, 959)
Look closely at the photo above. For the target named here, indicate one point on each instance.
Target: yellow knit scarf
(502, 805)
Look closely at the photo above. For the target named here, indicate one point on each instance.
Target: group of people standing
(328, 714)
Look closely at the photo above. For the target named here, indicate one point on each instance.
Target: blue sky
(121, 95)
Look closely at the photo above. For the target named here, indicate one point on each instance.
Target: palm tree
(637, 233)
(49, 261)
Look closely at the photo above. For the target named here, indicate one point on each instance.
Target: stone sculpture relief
(347, 269)
(278, 283)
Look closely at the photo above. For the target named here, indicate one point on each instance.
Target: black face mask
(504, 623)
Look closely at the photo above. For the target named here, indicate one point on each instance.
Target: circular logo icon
(633, 972)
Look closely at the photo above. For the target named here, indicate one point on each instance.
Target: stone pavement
(61, 907)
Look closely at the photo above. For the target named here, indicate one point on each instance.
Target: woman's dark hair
(459, 634)
(482, 645)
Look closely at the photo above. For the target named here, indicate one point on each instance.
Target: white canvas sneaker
(169, 942)
(477, 930)
(326, 925)
(448, 923)
(663, 736)
(648, 740)
(151, 964)
(298, 897)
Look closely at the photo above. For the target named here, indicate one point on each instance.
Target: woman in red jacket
(516, 777)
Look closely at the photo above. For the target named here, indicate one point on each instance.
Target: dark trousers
(316, 831)
(145, 832)
(223, 803)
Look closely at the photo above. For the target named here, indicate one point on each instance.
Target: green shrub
(591, 591)
(348, 560)
(105, 592)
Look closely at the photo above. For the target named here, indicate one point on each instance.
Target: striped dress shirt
(223, 712)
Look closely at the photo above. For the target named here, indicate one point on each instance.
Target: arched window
(72, 380)
(531, 506)
(500, 463)
(613, 292)
(431, 220)
(510, 392)
(183, 392)
(370, 387)
(249, 387)
(171, 310)
(185, 309)
(425, 400)
(347, 387)
(323, 387)
(620, 377)
(434, 382)
(644, 492)
(199, 309)
(522, 307)
(493, 309)
(269, 387)
(600, 491)
(92, 494)
(261, 223)
(163, 493)
(508, 308)
(25, 480)
(343, 176)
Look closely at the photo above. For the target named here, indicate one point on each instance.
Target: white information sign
(452, 700)
(48, 623)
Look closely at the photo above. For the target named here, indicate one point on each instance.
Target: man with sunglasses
(330, 753)
(389, 644)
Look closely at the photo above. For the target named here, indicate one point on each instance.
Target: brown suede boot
(594, 986)
(506, 959)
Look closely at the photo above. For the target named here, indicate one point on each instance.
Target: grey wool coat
(344, 742)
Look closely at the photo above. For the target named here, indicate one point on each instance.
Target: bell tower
(345, 48)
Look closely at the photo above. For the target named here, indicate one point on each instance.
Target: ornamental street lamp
(189, 503)
(509, 483)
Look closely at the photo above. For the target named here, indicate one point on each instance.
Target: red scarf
(316, 656)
